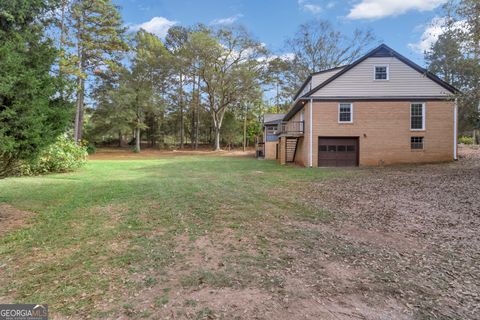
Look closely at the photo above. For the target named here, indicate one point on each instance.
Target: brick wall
(383, 128)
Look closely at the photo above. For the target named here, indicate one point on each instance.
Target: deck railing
(292, 127)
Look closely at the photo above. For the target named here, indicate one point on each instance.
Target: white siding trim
(423, 116)
(351, 112)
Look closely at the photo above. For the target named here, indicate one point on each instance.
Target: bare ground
(12, 218)
(401, 243)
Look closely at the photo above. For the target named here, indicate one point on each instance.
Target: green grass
(111, 219)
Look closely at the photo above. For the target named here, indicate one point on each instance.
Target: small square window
(345, 112)
(381, 72)
(350, 148)
(416, 143)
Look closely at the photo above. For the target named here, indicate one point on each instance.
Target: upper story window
(417, 116)
(345, 113)
(381, 72)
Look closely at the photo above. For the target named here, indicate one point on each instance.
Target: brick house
(381, 109)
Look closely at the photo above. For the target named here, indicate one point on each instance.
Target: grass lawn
(229, 237)
(103, 236)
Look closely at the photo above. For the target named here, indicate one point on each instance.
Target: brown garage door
(337, 152)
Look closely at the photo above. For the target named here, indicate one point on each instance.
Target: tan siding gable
(321, 77)
(403, 82)
(318, 79)
(307, 88)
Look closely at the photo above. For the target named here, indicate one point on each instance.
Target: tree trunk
(61, 44)
(197, 120)
(79, 114)
(192, 132)
(137, 139)
(245, 130)
(182, 125)
(216, 146)
(119, 139)
(80, 86)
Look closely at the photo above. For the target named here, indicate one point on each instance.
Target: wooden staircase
(291, 148)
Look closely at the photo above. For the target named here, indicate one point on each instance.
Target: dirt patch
(208, 283)
(12, 218)
(127, 154)
(414, 229)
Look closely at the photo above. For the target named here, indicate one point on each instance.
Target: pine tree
(32, 113)
(97, 40)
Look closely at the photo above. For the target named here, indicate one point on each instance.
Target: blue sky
(405, 25)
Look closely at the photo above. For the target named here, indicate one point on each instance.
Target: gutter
(310, 135)
(455, 130)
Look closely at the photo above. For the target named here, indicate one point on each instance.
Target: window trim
(351, 112)
(375, 72)
(424, 107)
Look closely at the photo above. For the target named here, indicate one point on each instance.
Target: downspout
(310, 135)
(455, 129)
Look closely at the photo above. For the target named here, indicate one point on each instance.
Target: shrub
(91, 148)
(62, 156)
(465, 140)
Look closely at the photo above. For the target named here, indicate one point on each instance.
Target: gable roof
(385, 51)
(381, 51)
(273, 117)
(310, 78)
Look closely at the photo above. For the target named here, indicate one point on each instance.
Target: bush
(465, 140)
(62, 156)
(91, 148)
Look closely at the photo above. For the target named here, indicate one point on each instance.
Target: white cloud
(376, 9)
(289, 56)
(309, 7)
(331, 4)
(429, 36)
(431, 33)
(228, 20)
(157, 25)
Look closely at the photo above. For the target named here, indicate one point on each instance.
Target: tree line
(455, 57)
(198, 85)
(72, 67)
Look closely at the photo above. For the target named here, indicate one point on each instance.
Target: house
(382, 109)
(271, 130)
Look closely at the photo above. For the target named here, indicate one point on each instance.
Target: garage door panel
(337, 152)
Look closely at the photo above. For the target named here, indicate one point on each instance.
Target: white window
(345, 113)
(417, 116)
(381, 72)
